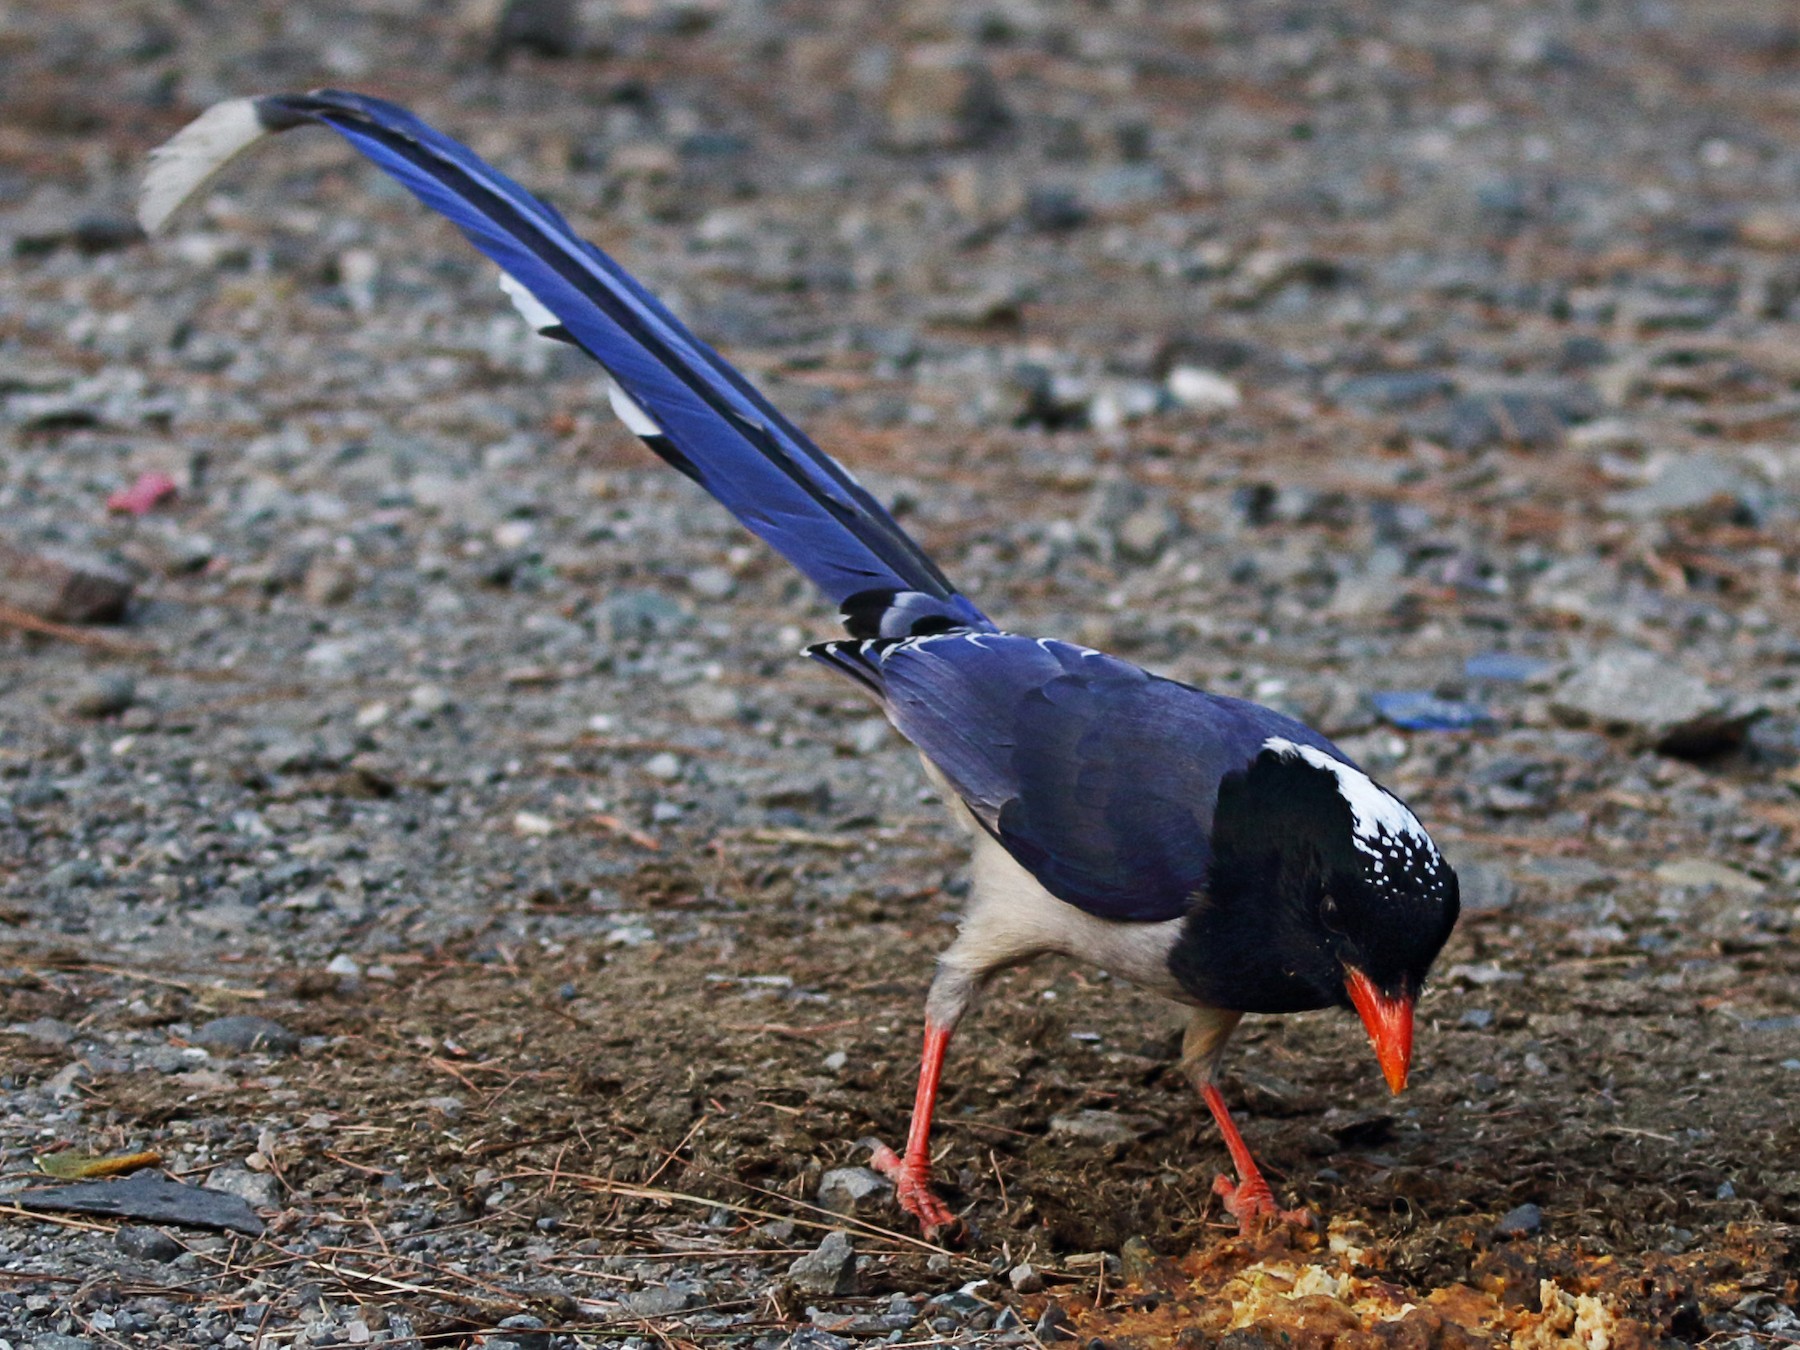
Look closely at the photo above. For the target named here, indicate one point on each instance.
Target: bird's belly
(1012, 918)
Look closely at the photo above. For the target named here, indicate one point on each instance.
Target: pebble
(1391, 392)
(817, 1338)
(1202, 390)
(1520, 1221)
(637, 615)
(1485, 887)
(147, 1244)
(257, 1189)
(1137, 1261)
(104, 696)
(546, 28)
(245, 1032)
(661, 1300)
(1053, 1325)
(1025, 1278)
(1650, 698)
(1101, 1127)
(1688, 482)
(828, 1269)
(430, 700)
(329, 581)
(1702, 873)
(1142, 535)
(942, 97)
(45, 1030)
(853, 1190)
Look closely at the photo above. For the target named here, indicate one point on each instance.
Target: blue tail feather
(709, 421)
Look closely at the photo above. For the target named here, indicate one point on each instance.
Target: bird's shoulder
(1097, 776)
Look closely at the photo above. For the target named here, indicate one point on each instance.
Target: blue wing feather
(1100, 778)
(713, 424)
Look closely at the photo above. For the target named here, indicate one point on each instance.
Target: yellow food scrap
(74, 1165)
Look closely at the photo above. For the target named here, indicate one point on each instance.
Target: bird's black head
(1323, 889)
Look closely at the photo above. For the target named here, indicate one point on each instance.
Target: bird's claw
(912, 1188)
(1253, 1205)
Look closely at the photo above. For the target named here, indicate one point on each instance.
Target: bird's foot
(912, 1188)
(1252, 1204)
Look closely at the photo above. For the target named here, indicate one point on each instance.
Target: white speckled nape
(1376, 813)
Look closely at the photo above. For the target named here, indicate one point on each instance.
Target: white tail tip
(183, 164)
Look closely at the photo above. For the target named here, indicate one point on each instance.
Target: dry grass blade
(830, 1219)
(14, 617)
(193, 987)
(14, 1211)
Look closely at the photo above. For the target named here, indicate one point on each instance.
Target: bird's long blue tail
(673, 390)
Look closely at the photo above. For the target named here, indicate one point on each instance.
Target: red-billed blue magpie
(1202, 847)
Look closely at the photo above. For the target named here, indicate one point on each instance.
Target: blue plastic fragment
(1419, 710)
(1508, 666)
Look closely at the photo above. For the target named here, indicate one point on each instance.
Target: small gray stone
(1532, 421)
(1518, 1222)
(634, 614)
(1649, 697)
(292, 754)
(256, 1189)
(1053, 1326)
(1203, 390)
(709, 702)
(1486, 888)
(712, 583)
(1392, 391)
(56, 1340)
(1025, 1278)
(61, 1084)
(103, 696)
(245, 1033)
(660, 1300)
(941, 97)
(430, 700)
(328, 581)
(1692, 481)
(1144, 533)
(870, 735)
(816, 1338)
(548, 28)
(46, 1030)
(521, 1331)
(852, 1190)
(63, 587)
(146, 1243)
(1101, 1127)
(1137, 1260)
(828, 1269)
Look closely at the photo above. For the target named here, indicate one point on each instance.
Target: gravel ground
(1390, 363)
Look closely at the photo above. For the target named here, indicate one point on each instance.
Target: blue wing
(1100, 778)
(694, 409)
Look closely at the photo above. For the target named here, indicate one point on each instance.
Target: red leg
(911, 1175)
(1249, 1199)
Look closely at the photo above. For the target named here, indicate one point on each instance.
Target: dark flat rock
(148, 1197)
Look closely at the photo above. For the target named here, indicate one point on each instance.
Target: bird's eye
(1328, 914)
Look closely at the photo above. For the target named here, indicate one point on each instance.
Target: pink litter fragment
(143, 496)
